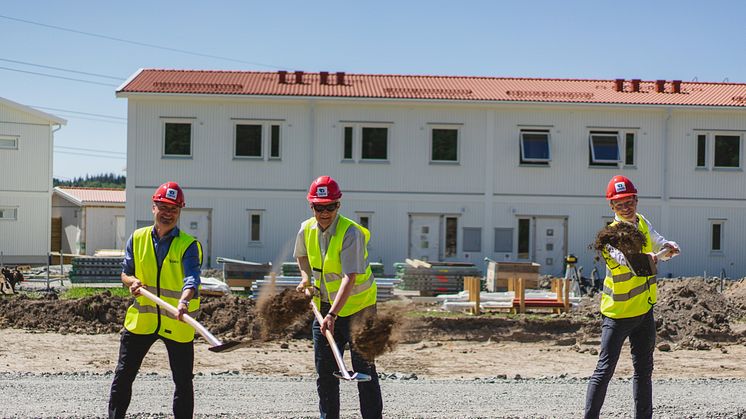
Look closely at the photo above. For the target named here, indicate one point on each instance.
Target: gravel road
(241, 396)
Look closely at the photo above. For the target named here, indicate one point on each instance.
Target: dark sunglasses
(328, 207)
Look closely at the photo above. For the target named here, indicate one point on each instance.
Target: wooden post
(566, 295)
(473, 286)
(511, 284)
(522, 296)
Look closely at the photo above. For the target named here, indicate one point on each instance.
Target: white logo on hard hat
(322, 192)
(171, 193)
(620, 187)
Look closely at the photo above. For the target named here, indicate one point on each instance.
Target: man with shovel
(331, 251)
(627, 306)
(166, 261)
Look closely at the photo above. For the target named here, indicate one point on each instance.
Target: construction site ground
(445, 365)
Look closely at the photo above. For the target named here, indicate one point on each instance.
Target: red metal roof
(86, 196)
(451, 88)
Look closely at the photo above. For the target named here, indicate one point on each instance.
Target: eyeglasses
(629, 204)
(328, 207)
(167, 208)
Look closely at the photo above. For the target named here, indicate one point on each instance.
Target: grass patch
(81, 292)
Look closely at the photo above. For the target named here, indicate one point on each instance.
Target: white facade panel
(100, 228)
(27, 166)
(27, 237)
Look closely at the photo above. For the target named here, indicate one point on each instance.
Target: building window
(255, 227)
(374, 143)
(451, 237)
(716, 244)
(252, 139)
(702, 150)
(177, 140)
(727, 151)
(248, 140)
(629, 149)
(8, 214)
(472, 239)
(503, 240)
(348, 141)
(364, 219)
(524, 229)
(8, 142)
(274, 147)
(444, 145)
(604, 147)
(535, 147)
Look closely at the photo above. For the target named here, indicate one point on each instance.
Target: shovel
(343, 373)
(215, 344)
(641, 264)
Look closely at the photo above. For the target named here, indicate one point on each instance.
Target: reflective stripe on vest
(329, 269)
(143, 316)
(624, 294)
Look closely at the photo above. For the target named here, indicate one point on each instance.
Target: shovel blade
(353, 376)
(228, 346)
(642, 264)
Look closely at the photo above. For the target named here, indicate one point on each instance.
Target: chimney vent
(324, 76)
(299, 77)
(340, 78)
(619, 85)
(635, 85)
(660, 86)
(283, 76)
(676, 86)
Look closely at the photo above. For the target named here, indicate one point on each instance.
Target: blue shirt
(190, 262)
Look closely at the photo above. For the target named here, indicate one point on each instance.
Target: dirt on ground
(690, 314)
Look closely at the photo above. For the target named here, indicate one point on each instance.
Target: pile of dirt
(624, 237)
(375, 334)
(693, 313)
(279, 312)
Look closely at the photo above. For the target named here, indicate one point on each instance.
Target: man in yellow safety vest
(166, 261)
(331, 251)
(627, 307)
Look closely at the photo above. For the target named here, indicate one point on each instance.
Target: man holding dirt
(166, 261)
(627, 306)
(332, 249)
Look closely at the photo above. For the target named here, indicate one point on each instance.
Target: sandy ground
(23, 351)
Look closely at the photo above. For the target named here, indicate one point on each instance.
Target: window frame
(701, 136)
(604, 162)
(265, 141)
(721, 223)
(622, 135)
(250, 215)
(181, 121)
(446, 251)
(360, 214)
(713, 135)
(14, 138)
(510, 233)
(14, 211)
(453, 127)
(471, 230)
(535, 161)
(357, 141)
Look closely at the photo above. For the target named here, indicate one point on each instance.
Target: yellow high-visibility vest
(144, 316)
(329, 269)
(624, 294)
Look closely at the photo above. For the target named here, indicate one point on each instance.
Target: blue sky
(559, 39)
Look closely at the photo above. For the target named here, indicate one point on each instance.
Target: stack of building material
(92, 269)
(240, 273)
(434, 278)
(385, 286)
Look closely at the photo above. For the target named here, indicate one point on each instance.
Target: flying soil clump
(277, 312)
(375, 334)
(624, 237)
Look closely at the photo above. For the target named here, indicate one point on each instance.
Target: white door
(550, 245)
(196, 222)
(424, 237)
(119, 233)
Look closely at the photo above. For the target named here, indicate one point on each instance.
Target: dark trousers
(132, 350)
(327, 385)
(641, 333)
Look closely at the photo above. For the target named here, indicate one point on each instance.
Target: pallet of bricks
(94, 269)
(433, 278)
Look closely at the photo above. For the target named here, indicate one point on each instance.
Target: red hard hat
(620, 187)
(323, 190)
(170, 193)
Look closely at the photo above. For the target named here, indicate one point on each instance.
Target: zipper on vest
(157, 284)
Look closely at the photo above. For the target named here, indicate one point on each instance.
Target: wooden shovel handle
(185, 317)
(332, 343)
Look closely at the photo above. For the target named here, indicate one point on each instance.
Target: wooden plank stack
(500, 273)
